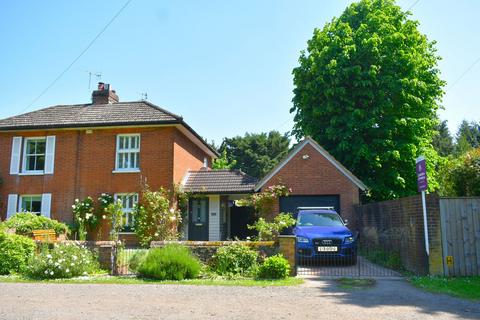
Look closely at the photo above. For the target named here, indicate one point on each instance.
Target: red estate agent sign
(421, 168)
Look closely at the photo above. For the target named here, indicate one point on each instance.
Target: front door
(198, 219)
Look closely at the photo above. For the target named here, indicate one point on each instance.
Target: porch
(212, 212)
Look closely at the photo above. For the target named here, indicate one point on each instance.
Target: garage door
(290, 203)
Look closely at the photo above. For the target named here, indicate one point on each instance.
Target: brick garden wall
(396, 226)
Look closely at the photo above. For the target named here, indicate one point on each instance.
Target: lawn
(462, 287)
(104, 279)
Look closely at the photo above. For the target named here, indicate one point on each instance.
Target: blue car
(322, 234)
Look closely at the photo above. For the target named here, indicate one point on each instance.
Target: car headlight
(349, 239)
(302, 239)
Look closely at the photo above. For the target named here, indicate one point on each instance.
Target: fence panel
(460, 222)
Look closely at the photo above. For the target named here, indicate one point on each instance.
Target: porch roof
(223, 181)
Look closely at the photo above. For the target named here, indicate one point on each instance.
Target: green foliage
(463, 287)
(136, 260)
(15, 251)
(84, 216)
(26, 222)
(269, 231)
(172, 262)
(114, 213)
(235, 259)
(468, 137)
(368, 90)
(263, 202)
(461, 176)
(443, 141)
(256, 154)
(62, 261)
(158, 217)
(384, 258)
(274, 267)
(223, 162)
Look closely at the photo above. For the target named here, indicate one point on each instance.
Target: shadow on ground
(397, 293)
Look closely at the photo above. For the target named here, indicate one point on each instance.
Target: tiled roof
(91, 115)
(219, 181)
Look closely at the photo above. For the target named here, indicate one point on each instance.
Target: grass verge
(135, 280)
(351, 283)
(462, 287)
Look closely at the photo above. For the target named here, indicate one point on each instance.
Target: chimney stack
(103, 94)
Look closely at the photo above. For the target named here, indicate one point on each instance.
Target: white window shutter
(46, 204)
(16, 152)
(12, 205)
(50, 155)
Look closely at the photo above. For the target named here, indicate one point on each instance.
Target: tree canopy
(468, 137)
(256, 153)
(367, 88)
(443, 141)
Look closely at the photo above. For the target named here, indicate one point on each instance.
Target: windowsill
(126, 171)
(33, 173)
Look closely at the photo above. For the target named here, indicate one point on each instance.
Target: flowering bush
(157, 218)
(83, 212)
(264, 202)
(62, 261)
(114, 213)
(15, 251)
(269, 231)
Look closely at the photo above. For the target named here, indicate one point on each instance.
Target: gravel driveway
(389, 299)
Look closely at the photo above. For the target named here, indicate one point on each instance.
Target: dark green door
(198, 219)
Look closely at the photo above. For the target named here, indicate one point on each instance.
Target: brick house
(52, 156)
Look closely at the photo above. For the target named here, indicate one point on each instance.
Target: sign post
(421, 168)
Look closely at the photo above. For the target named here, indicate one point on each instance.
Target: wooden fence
(460, 225)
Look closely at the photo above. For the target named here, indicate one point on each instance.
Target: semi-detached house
(52, 156)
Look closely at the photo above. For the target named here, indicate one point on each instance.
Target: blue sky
(223, 65)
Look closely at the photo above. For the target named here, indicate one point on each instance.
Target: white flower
(72, 264)
(172, 210)
(49, 256)
(73, 206)
(51, 273)
(104, 217)
(84, 273)
(46, 271)
(156, 234)
(74, 258)
(67, 270)
(76, 200)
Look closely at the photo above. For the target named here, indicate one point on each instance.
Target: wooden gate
(460, 223)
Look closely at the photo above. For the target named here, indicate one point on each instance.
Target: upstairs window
(129, 200)
(128, 152)
(34, 155)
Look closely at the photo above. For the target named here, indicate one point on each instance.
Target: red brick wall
(318, 176)
(84, 164)
(186, 155)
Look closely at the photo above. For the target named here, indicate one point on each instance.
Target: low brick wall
(205, 250)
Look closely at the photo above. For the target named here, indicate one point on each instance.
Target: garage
(290, 203)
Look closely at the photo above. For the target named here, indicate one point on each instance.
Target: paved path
(389, 299)
(363, 268)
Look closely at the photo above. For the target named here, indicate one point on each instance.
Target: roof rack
(315, 208)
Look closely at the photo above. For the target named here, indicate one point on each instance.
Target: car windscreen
(318, 219)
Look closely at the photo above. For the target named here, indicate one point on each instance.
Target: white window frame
(126, 211)
(20, 201)
(130, 150)
(24, 156)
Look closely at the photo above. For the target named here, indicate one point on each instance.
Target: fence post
(113, 258)
(287, 246)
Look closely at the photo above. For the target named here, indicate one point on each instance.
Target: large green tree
(368, 89)
(256, 153)
(443, 141)
(468, 137)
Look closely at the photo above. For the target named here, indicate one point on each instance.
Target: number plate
(327, 249)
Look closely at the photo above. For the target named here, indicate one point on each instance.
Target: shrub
(26, 222)
(269, 231)
(136, 260)
(62, 261)
(172, 262)
(274, 267)
(15, 251)
(235, 259)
